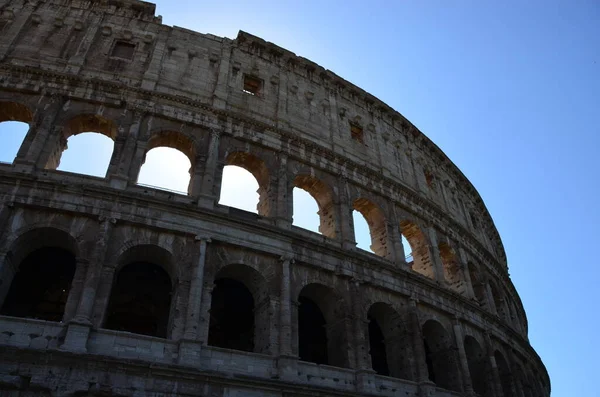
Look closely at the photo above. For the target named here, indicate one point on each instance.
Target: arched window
(322, 334)
(376, 225)
(441, 357)
(478, 366)
(505, 375)
(169, 162)
(87, 143)
(478, 285)
(313, 205)
(245, 184)
(166, 168)
(41, 286)
(419, 249)
(14, 124)
(389, 342)
(140, 300)
(239, 311)
(452, 271)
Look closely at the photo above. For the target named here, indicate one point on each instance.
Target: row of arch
(403, 243)
(141, 302)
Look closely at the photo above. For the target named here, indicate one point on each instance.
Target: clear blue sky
(510, 91)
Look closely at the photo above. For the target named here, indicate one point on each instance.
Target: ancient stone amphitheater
(110, 288)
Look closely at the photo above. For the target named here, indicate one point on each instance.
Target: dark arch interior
(312, 335)
(140, 300)
(41, 286)
(377, 345)
(504, 371)
(477, 365)
(231, 316)
(440, 356)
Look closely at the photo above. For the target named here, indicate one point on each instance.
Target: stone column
(220, 93)
(517, 387)
(78, 329)
(41, 129)
(76, 289)
(196, 175)
(9, 37)
(345, 216)
(189, 346)
(462, 357)
(128, 154)
(207, 196)
(494, 373)
(152, 74)
(426, 386)
(365, 375)
(285, 199)
(287, 362)
(434, 253)
(466, 275)
(490, 298)
(75, 63)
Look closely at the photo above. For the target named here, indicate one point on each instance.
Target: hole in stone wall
(140, 300)
(86, 153)
(306, 210)
(41, 285)
(166, 168)
(357, 132)
(12, 134)
(123, 50)
(252, 85)
(239, 189)
(312, 335)
(231, 316)
(379, 360)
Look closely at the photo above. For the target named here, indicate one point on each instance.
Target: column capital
(202, 238)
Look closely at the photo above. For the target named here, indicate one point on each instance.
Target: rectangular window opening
(252, 85)
(123, 50)
(357, 132)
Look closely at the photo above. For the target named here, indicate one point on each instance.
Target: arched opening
(505, 376)
(12, 135)
(408, 253)
(477, 364)
(239, 311)
(419, 249)
(41, 286)
(245, 184)
(14, 124)
(312, 332)
(169, 162)
(308, 191)
(87, 143)
(377, 348)
(231, 316)
(166, 168)
(389, 342)
(377, 226)
(322, 333)
(478, 285)
(306, 211)
(140, 300)
(452, 271)
(440, 356)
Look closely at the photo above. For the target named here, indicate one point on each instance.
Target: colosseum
(112, 288)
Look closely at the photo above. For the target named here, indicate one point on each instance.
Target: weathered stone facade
(449, 321)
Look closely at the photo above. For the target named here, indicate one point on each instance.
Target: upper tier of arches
(435, 254)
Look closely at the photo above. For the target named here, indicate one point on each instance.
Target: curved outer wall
(110, 66)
